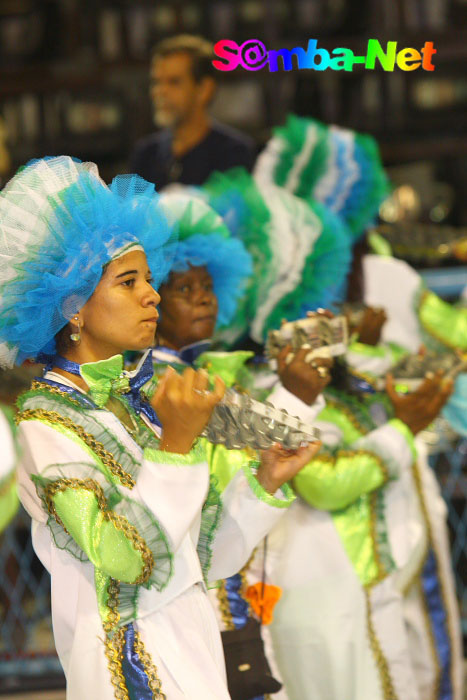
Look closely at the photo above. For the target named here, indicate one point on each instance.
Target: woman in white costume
(125, 517)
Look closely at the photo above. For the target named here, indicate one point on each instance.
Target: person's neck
(171, 345)
(190, 133)
(82, 354)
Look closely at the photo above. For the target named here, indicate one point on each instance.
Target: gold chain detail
(224, 606)
(389, 692)
(154, 681)
(113, 590)
(43, 386)
(119, 522)
(131, 533)
(97, 447)
(114, 654)
(354, 453)
(340, 406)
(114, 644)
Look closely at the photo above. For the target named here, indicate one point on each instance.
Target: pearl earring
(76, 337)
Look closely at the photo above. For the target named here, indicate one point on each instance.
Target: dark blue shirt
(221, 149)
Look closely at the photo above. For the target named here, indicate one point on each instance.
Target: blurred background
(74, 79)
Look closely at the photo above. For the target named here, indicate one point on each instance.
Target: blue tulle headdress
(60, 225)
(205, 240)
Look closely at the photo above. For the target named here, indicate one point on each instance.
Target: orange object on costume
(263, 598)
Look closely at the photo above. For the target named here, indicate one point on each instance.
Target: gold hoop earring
(76, 337)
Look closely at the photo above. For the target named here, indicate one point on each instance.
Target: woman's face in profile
(122, 313)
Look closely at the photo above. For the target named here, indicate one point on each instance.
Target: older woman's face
(122, 313)
(188, 308)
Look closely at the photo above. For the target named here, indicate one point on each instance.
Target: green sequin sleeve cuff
(249, 470)
(406, 432)
(196, 455)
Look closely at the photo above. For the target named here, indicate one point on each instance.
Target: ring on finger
(322, 372)
(201, 392)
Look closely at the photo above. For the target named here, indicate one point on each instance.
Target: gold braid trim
(114, 644)
(119, 522)
(224, 606)
(114, 651)
(368, 378)
(340, 406)
(388, 689)
(43, 386)
(353, 453)
(442, 583)
(97, 447)
(154, 681)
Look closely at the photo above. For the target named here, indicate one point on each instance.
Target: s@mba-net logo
(253, 55)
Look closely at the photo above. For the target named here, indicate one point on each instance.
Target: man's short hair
(201, 52)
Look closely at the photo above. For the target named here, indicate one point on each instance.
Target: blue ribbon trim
(237, 604)
(137, 682)
(189, 353)
(84, 400)
(438, 618)
(133, 396)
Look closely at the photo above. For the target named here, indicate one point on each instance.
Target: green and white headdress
(301, 253)
(337, 167)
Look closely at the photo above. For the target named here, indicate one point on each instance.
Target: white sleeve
(172, 487)
(280, 397)
(248, 514)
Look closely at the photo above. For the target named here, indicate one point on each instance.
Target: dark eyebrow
(132, 272)
(128, 272)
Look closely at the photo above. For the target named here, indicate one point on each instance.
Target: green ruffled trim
(335, 416)
(118, 609)
(196, 455)
(210, 519)
(135, 513)
(356, 411)
(382, 543)
(407, 433)
(367, 350)
(88, 421)
(263, 495)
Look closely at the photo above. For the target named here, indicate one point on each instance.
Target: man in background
(190, 145)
